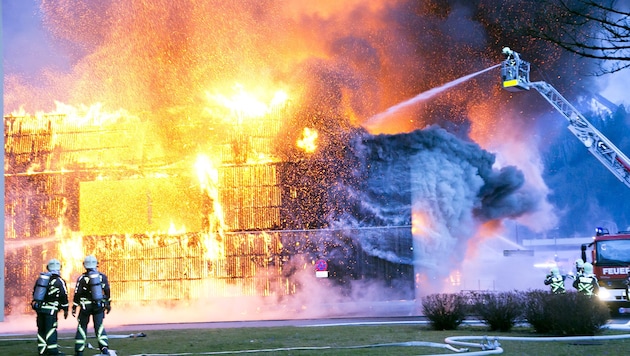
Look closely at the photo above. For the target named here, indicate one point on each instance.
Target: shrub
(536, 310)
(500, 311)
(444, 311)
(570, 314)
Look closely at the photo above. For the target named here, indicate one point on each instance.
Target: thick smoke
(445, 187)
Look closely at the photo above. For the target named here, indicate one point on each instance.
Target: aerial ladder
(515, 77)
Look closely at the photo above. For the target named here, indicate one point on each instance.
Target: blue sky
(27, 47)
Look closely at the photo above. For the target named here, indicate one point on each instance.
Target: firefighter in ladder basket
(92, 296)
(50, 295)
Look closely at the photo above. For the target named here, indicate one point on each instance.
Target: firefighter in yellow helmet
(92, 296)
(556, 281)
(586, 284)
(50, 295)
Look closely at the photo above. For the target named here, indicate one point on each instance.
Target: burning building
(196, 176)
(233, 221)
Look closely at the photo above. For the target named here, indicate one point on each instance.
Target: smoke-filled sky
(496, 155)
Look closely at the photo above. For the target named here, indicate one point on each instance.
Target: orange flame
(308, 140)
(420, 223)
(214, 222)
(208, 175)
(486, 231)
(92, 115)
(243, 104)
(71, 255)
(455, 278)
(172, 230)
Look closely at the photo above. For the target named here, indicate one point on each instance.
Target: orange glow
(420, 223)
(92, 115)
(454, 279)
(172, 230)
(208, 175)
(245, 105)
(71, 256)
(209, 183)
(485, 231)
(407, 120)
(482, 127)
(308, 141)
(76, 116)
(329, 8)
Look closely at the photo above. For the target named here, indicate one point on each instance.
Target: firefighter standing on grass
(556, 281)
(92, 296)
(50, 295)
(586, 284)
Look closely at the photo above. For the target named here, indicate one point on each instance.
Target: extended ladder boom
(515, 77)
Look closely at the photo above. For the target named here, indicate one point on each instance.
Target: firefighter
(556, 281)
(579, 267)
(50, 295)
(586, 284)
(92, 297)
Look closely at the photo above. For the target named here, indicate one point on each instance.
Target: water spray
(376, 119)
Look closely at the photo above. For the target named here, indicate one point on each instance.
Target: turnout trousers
(80, 338)
(47, 333)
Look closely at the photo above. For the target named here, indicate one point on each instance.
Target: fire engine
(610, 254)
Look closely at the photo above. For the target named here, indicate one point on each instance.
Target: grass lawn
(321, 341)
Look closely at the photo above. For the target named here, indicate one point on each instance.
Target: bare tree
(597, 29)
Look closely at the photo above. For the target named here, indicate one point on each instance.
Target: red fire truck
(610, 256)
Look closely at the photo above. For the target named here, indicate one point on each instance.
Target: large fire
(129, 212)
(102, 185)
(203, 145)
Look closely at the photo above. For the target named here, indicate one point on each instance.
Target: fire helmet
(554, 271)
(90, 262)
(579, 263)
(53, 265)
(588, 268)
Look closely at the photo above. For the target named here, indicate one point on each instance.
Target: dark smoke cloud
(448, 181)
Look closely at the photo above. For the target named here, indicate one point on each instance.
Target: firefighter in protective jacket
(50, 295)
(92, 297)
(586, 284)
(556, 281)
(579, 267)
